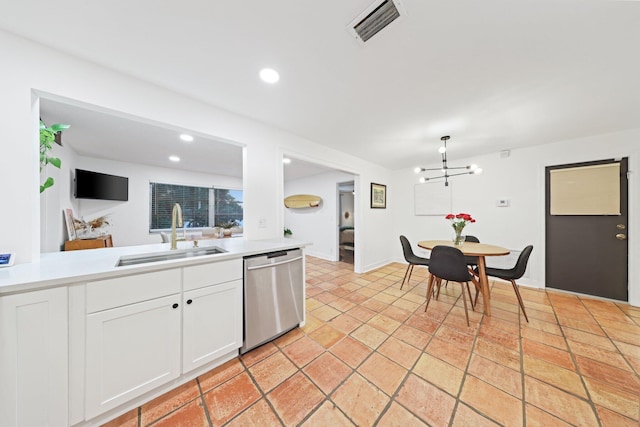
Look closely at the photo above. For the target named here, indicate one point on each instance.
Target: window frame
(211, 202)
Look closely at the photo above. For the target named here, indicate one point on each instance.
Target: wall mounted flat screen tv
(96, 185)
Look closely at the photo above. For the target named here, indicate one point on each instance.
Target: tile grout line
(204, 402)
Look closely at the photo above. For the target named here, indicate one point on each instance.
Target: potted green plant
(227, 226)
(47, 139)
(287, 232)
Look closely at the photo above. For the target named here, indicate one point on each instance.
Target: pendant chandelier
(469, 169)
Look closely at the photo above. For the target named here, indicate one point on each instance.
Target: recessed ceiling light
(286, 160)
(269, 75)
(186, 138)
(174, 158)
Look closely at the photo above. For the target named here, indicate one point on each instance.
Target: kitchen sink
(166, 256)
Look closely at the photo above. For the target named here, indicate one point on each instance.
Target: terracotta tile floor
(370, 355)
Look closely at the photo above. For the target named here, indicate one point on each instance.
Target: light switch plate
(502, 203)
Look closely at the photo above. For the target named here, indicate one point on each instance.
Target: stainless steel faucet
(176, 213)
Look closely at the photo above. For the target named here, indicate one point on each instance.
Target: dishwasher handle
(257, 267)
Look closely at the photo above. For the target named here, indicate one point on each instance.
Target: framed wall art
(68, 219)
(378, 196)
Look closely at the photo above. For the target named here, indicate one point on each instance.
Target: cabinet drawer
(198, 276)
(110, 293)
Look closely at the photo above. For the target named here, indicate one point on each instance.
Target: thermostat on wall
(7, 259)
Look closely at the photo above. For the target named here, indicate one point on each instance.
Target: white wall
(346, 207)
(318, 225)
(31, 70)
(519, 178)
(129, 221)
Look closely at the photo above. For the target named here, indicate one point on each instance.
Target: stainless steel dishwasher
(273, 296)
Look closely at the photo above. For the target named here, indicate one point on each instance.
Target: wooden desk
(479, 250)
(98, 242)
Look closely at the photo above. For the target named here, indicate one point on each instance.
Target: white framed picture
(71, 228)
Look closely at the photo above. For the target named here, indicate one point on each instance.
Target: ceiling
(494, 75)
(109, 136)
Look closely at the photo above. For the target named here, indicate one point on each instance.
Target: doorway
(346, 222)
(586, 211)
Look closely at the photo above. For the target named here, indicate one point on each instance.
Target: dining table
(479, 250)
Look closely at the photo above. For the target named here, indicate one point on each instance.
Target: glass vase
(458, 238)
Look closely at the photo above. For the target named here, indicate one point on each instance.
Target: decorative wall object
(378, 196)
(299, 201)
(68, 219)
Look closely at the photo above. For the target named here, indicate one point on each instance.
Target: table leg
(484, 285)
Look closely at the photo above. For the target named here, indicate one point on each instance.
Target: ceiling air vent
(375, 18)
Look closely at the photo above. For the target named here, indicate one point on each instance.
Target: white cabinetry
(146, 330)
(212, 312)
(33, 358)
(133, 337)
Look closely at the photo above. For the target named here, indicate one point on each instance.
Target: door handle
(621, 236)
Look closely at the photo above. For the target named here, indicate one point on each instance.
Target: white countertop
(61, 268)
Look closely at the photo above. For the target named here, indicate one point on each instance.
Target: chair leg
(473, 306)
(464, 300)
(439, 283)
(429, 291)
(515, 288)
(476, 283)
(407, 273)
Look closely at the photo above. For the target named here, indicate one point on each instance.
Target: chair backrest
(406, 249)
(521, 264)
(472, 239)
(448, 263)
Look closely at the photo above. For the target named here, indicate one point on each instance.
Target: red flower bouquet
(458, 222)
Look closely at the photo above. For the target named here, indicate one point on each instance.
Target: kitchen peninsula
(89, 339)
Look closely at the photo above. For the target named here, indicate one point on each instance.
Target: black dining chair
(448, 263)
(472, 261)
(513, 274)
(411, 258)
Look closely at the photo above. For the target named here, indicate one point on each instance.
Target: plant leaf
(58, 127)
(48, 183)
(55, 161)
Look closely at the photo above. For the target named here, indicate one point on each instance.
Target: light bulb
(417, 170)
(423, 180)
(442, 150)
(477, 170)
(473, 167)
(269, 75)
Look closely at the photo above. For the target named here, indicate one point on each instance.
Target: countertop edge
(67, 268)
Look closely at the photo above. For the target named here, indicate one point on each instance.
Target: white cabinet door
(212, 323)
(130, 350)
(33, 358)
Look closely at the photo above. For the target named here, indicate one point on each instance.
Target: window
(201, 206)
(228, 206)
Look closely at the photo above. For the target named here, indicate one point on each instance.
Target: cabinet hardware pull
(175, 305)
(189, 301)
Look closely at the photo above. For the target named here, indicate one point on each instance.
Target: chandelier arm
(430, 169)
(462, 173)
(459, 167)
(429, 178)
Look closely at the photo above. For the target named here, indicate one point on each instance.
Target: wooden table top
(467, 248)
